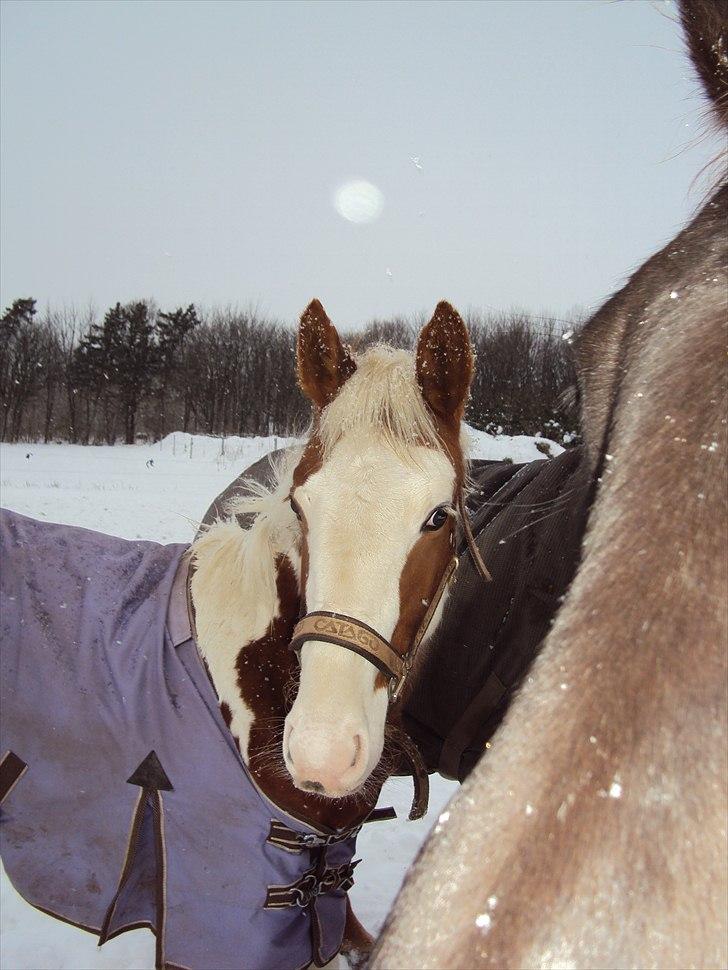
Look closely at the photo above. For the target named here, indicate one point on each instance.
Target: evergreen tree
(19, 363)
(172, 331)
(118, 360)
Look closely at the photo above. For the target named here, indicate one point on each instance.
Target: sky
(528, 154)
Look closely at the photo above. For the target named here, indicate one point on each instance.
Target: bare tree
(231, 371)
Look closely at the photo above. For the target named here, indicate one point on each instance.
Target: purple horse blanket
(125, 802)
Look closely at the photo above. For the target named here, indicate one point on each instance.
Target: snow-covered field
(161, 492)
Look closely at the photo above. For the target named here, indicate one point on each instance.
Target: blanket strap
(290, 840)
(312, 883)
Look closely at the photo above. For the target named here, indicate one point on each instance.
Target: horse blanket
(125, 802)
(528, 521)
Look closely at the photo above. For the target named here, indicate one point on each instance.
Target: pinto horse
(593, 833)
(340, 574)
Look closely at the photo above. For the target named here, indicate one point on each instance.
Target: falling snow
(483, 921)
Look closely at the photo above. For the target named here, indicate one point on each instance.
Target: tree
(20, 361)
(172, 331)
(117, 361)
(136, 359)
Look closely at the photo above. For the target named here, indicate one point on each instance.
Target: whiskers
(510, 504)
(539, 511)
(290, 690)
(266, 760)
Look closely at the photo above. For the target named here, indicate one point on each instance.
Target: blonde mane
(236, 566)
(381, 398)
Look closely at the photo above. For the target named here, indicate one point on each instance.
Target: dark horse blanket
(126, 801)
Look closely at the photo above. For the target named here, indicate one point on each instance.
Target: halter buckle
(395, 684)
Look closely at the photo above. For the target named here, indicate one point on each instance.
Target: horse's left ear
(444, 363)
(324, 364)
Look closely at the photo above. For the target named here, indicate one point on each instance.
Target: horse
(593, 831)
(352, 545)
(172, 671)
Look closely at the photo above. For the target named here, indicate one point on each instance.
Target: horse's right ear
(323, 362)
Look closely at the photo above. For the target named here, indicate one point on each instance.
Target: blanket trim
(12, 769)
(153, 798)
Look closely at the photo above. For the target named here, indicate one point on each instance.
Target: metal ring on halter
(395, 685)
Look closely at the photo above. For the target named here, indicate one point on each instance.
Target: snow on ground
(518, 447)
(161, 491)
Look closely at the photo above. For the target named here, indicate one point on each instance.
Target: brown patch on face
(311, 461)
(266, 669)
(418, 584)
(430, 555)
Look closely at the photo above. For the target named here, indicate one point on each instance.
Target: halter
(350, 633)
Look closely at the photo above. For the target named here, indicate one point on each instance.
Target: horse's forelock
(382, 401)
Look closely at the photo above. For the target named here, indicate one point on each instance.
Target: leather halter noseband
(346, 631)
(350, 633)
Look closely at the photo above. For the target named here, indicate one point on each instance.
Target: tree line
(141, 372)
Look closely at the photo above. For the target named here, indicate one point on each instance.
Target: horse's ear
(323, 362)
(444, 363)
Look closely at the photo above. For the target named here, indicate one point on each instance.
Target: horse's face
(378, 534)
(377, 521)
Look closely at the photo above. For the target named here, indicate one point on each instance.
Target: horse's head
(376, 492)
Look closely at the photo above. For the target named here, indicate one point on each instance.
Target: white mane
(239, 563)
(381, 398)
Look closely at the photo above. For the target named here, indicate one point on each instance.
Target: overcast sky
(189, 151)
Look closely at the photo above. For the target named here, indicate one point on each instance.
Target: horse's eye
(294, 506)
(438, 518)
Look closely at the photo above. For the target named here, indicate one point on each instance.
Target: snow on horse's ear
(324, 364)
(444, 363)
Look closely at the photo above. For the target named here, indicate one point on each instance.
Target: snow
(483, 921)
(518, 448)
(161, 491)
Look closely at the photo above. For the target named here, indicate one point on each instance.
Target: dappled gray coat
(126, 802)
